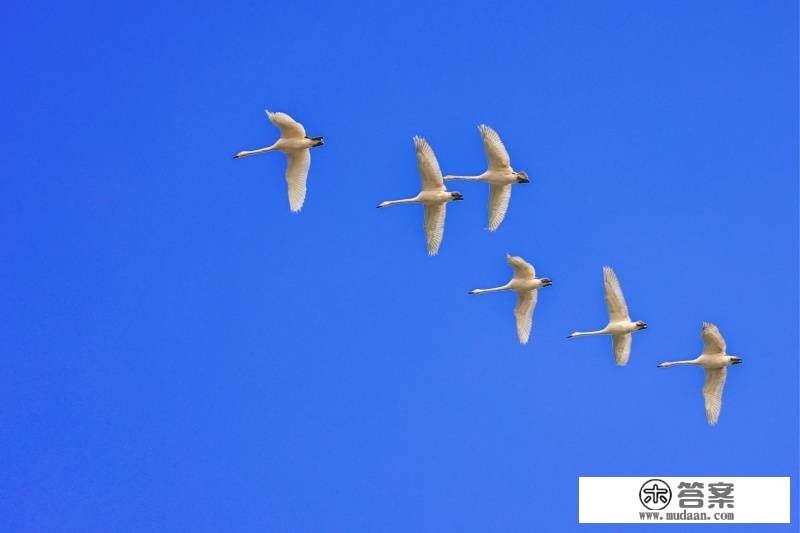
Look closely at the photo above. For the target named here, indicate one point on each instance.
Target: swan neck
(588, 333)
(679, 363)
(398, 202)
(493, 289)
(462, 178)
(245, 153)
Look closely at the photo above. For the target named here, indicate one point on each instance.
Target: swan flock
(501, 177)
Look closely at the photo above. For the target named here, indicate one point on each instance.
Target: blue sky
(180, 353)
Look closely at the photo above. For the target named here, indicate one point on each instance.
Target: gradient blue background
(180, 353)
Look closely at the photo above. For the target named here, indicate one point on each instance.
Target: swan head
(522, 177)
(735, 360)
(457, 195)
(546, 282)
(641, 325)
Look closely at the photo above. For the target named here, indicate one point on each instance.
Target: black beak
(736, 362)
(523, 180)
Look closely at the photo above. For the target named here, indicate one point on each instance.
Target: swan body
(434, 195)
(619, 326)
(294, 143)
(500, 176)
(715, 361)
(526, 285)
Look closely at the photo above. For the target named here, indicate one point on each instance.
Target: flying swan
(716, 362)
(296, 146)
(619, 325)
(500, 176)
(527, 286)
(434, 195)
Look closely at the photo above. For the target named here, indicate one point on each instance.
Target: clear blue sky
(180, 353)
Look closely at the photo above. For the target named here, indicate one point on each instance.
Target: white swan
(716, 362)
(500, 176)
(295, 145)
(526, 286)
(434, 195)
(619, 325)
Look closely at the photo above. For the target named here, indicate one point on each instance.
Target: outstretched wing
(617, 308)
(428, 166)
(522, 269)
(621, 344)
(712, 339)
(712, 392)
(495, 151)
(526, 303)
(434, 226)
(499, 195)
(289, 127)
(296, 174)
